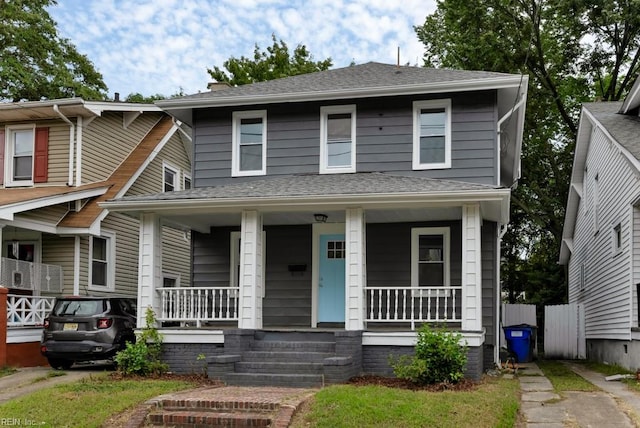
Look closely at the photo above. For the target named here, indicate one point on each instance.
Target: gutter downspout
(496, 350)
(79, 152)
(71, 142)
(506, 116)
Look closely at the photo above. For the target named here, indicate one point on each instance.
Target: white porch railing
(28, 311)
(30, 276)
(198, 304)
(413, 304)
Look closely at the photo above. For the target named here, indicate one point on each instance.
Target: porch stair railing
(198, 304)
(413, 305)
(28, 311)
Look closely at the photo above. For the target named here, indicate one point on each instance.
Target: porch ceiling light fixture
(320, 218)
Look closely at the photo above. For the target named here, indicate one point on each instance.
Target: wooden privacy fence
(564, 335)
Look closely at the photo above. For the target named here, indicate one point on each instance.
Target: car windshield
(79, 307)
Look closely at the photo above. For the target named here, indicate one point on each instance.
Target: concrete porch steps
(298, 359)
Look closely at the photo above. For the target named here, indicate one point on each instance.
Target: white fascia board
(381, 200)
(473, 339)
(421, 88)
(47, 103)
(192, 336)
(7, 211)
(97, 107)
(38, 226)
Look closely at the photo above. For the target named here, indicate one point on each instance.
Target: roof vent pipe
(116, 97)
(72, 131)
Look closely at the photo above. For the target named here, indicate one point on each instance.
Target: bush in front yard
(143, 357)
(439, 357)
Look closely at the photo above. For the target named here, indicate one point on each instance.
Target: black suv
(87, 329)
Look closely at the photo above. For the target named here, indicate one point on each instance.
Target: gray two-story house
(354, 204)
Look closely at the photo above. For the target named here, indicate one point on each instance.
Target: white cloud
(162, 46)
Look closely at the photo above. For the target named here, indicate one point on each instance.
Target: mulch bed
(391, 382)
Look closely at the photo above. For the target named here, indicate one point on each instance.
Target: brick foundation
(25, 355)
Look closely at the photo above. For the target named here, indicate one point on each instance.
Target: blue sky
(163, 46)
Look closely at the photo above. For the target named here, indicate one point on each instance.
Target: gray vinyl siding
(287, 299)
(211, 258)
(151, 179)
(105, 144)
(57, 250)
(607, 294)
(384, 139)
(636, 266)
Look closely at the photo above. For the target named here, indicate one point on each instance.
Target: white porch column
(1, 243)
(355, 268)
(250, 279)
(149, 265)
(471, 268)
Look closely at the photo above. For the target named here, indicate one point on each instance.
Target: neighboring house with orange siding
(59, 159)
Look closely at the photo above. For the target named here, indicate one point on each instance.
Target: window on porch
(430, 257)
(102, 262)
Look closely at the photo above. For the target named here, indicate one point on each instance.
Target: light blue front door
(331, 278)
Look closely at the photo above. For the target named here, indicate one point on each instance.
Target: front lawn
(494, 403)
(86, 403)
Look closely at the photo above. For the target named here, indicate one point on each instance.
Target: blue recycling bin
(521, 341)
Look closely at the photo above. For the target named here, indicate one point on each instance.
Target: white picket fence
(564, 334)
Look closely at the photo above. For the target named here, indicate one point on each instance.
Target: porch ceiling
(203, 222)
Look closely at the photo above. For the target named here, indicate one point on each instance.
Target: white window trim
(617, 249)
(176, 175)
(171, 275)
(111, 262)
(8, 155)
(324, 113)
(415, 240)
(186, 177)
(234, 259)
(235, 139)
(417, 107)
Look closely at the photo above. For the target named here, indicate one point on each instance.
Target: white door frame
(319, 229)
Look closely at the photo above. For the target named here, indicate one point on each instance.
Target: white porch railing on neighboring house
(30, 276)
(198, 304)
(413, 305)
(28, 311)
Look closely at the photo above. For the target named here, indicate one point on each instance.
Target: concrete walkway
(614, 406)
(28, 380)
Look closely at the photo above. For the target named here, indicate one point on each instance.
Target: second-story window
(249, 135)
(169, 178)
(432, 134)
(338, 139)
(186, 182)
(26, 155)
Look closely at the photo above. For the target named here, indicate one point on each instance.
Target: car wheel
(60, 364)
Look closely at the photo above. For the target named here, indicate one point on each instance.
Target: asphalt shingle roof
(292, 186)
(624, 128)
(364, 76)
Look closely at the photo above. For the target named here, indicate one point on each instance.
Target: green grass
(492, 404)
(563, 378)
(605, 369)
(86, 403)
(6, 371)
(49, 375)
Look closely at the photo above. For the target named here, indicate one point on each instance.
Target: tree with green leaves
(274, 63)
(36, 62)
(573, 51)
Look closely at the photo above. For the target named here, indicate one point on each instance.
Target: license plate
(70, 326)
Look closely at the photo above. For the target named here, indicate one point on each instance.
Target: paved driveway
(27, 380)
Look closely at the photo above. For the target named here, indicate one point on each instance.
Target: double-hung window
(20, 148)
(102, 261)
(432, 134)
(430, 257)
(186, 182)
(338, 139)
(169, 178)
(249, 139)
